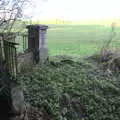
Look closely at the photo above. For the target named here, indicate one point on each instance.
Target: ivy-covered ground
(70, 90)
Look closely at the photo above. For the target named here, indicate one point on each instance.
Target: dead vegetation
(108, 58)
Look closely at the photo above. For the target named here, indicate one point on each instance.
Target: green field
(77, 40)
(80, 40)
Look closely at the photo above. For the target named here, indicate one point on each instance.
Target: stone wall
(25, 61)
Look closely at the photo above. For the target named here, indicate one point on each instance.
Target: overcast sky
(74, 9)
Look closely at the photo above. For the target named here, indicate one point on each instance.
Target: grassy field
(77, 40)
(80, 40)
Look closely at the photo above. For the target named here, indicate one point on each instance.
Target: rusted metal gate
(22, 39)
(25, 41)
(8, 57)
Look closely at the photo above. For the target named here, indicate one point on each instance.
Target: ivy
(77, 91)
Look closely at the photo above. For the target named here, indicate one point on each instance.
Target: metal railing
(8, 57)
(22, 39)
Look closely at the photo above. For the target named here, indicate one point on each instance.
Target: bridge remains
(33, 50)
(19, 51)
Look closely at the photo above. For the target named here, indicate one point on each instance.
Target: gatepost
(37, 42)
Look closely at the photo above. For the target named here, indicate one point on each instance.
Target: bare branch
(10, 12)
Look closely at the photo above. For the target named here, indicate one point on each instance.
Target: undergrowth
(72, 91)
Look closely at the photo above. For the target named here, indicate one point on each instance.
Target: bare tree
(10, 12)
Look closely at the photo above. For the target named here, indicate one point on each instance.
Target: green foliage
(76, 91)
